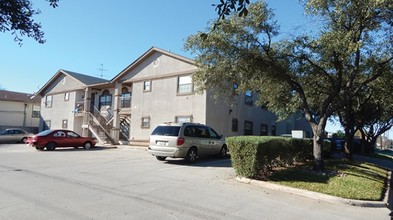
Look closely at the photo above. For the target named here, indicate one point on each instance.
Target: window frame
(64, 123)
(190, 85)
(66, 96)
(147, 123)
(248, 98)
(235, 125)
(107, 95)
(147, 84)
(248, 131)
(264, 130)
(125, 98)
(48, 101)
(35, 114)
(184, 117)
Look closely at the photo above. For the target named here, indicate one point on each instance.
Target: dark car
(14, 135)
(51, 139)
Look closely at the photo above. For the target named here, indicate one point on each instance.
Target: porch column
(116, 113)
(86, 107)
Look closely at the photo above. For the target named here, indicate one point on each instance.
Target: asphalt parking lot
(128, 183)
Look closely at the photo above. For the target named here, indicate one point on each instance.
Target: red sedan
(51, 139)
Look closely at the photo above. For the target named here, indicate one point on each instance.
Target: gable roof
(18, 96)
(147, 54)
(84, 79)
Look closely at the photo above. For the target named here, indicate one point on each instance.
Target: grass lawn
(342, 178)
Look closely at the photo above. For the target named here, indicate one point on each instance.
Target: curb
(320, 196)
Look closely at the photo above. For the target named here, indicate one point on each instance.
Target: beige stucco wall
(63, 84)
(220, 114)
(161, 104)
(62, 109)
(18, 114)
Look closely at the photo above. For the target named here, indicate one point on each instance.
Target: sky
(101, 38)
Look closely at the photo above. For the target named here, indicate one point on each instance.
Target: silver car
(186, 140)
(14, 135)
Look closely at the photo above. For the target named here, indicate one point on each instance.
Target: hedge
(256, 156)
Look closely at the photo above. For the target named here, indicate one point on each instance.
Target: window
(248, 98)
(184, 85)
(273, 130)
(64, 124)
(181, 119)
(105, 100)
(263, 129)
(35, 114)
(59, 134)
(66, 96)
(213, 134)
(235, 124)
(72, 134)
(147, 86)
(48, 101)
(125, 98)
(248, 128)
(145, 122)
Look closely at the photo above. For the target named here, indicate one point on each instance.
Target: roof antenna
(102, 70)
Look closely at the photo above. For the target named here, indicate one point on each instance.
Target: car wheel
(160, 158)
(224, 151)
(39, 148)
(192, 155)
(87, 145)
(24, 140)
(50, 146)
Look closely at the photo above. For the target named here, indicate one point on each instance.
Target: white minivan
(186, 140)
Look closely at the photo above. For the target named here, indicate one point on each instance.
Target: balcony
(79, 108)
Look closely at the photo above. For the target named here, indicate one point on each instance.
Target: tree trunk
(317, 147)
(348, 147)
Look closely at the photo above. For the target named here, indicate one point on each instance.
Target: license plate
(161, 143)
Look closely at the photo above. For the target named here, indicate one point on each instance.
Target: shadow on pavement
(202, 162)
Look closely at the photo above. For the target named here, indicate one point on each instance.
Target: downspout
(24, 116)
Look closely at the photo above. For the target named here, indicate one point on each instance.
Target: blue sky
(82, 35)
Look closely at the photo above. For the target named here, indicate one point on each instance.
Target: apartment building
(155, 88)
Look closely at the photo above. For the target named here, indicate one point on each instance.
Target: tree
(312, 74)
(17, 16)
(377, 116)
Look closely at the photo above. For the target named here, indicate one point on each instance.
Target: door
(92, 102)
(203, 135)
(215, 142)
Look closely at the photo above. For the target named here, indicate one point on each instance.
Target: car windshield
(43, 133)
(166, 130)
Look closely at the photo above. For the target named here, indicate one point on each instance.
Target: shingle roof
(85, 79)
(17, 96)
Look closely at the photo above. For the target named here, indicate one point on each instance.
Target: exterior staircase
(125, 122)
(100, 127)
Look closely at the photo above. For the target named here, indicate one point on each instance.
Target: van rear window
(166, 131)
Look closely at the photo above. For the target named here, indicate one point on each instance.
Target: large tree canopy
(17, 16)
(315, 74)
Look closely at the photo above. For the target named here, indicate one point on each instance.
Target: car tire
(39, 148)
(87, 145)
(23, 140)
(160, 158)
(50, 146)
(224, 151)
(192, 155)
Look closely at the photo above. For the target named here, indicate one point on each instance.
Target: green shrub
(255, 156)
